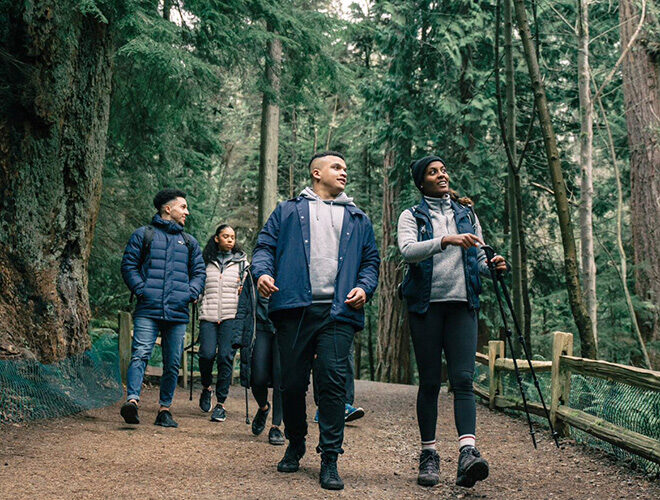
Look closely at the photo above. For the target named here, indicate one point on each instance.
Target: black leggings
(266, 369)
(450, 327)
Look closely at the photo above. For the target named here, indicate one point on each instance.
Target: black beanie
(418, 167)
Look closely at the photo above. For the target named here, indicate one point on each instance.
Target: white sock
(428, 445)
(466, 440)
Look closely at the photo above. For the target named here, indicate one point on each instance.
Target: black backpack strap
(145, 249)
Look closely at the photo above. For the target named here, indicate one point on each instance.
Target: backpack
(145, 250)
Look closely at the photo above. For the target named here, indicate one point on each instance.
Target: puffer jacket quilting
(220, 299)
(163, 283)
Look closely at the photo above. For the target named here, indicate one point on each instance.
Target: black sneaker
(471, 467)
(429, 468)
(259, 421)
(291, 460)
(329, 476)
(219, 414)
(164, 419)
(129, 411)
(275, 436)
(205, 400)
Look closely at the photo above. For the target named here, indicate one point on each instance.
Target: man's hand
(464, 240)
(356, 298)
(266, 286)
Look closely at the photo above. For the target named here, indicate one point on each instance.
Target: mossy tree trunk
(54, 105)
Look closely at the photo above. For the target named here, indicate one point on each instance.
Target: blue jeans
(145, 333)
(215, 345)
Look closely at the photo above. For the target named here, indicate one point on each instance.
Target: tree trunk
(370, 345)
(513, 187)
(641, 91)
(55, 108)
(270, 124)
(580, 315)
(393, 339)
(586, 169)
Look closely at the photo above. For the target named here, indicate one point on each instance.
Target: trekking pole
(247, 414)
(192, 347)
(490, 253)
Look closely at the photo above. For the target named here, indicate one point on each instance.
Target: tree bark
(641, 92)
(270, 124)
(586, 169)
(514, 188)
(393, 339)
(55, 107)
(580, 315)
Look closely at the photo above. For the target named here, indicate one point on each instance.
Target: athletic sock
(466, 440)
(428, 445)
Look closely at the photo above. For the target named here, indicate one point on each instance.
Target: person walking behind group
(260, 359)
(163, 267)
(439, 239)
(225, 271)
(317, 260)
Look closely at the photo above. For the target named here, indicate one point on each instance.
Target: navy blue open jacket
(167, 281)
(283, 249)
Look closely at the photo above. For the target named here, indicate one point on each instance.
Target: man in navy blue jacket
(317, 260)
(164, 269)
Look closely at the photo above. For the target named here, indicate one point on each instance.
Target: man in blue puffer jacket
(164, 269)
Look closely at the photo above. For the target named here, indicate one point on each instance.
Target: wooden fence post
(495, 350)
(125, 324)
(562, 344)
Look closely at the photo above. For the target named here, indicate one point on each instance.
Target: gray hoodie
(326, 220)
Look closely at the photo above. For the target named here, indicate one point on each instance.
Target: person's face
(226, 239)
(436, 180)
(177, 210)
(330, 172)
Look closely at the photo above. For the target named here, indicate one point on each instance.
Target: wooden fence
(564, 364)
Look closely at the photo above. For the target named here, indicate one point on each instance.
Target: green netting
(626, 406)
(32, 390)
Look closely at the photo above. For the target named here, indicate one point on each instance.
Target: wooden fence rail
(564, 417)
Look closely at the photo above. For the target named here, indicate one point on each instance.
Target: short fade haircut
(166, 195)
(324, 153)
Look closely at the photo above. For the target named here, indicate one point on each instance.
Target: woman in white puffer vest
(225, 272)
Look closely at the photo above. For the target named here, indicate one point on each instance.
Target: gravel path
(95, 455)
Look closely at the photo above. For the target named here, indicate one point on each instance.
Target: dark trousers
(215, 345)
(302, 333)
(350, 381)
(266, 369)
(450, 327)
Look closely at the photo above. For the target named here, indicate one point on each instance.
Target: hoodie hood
(341, 199)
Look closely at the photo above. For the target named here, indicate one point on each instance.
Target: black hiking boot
(205, 400)
(329, 476)
(471, 467)
(259, 421)
(275, 436)
(164, 419)
(429, 468)
(129, 411)
(291, 460)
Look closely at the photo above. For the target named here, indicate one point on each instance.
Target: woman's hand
(500, 263)
(465, 240)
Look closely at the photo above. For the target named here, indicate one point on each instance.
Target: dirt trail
(95, 455)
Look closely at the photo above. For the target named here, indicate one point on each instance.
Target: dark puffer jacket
(167, 281)
(252, 315)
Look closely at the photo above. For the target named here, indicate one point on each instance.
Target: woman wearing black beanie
(440, 239)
